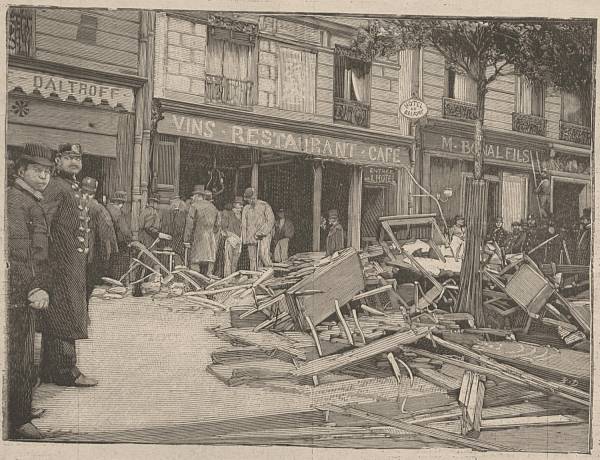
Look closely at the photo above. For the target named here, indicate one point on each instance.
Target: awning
(51, 121)
(91, 144)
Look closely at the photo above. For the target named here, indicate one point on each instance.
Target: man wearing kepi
(27, 288)
(257, 227)
(66, 319)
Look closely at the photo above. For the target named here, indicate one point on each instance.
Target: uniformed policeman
(66, 319)
(28, 286)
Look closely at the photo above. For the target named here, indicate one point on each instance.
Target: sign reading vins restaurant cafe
(321, 146)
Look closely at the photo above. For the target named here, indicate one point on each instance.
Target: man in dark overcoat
(119, 261)
(66, 319)
(102, 240)
(27, 287)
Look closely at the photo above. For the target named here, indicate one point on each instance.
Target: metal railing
(353, 112)
(223, 90)
(454, 108)
(578, 134)
(528, 124)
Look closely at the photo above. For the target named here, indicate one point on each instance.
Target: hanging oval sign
(413, 108)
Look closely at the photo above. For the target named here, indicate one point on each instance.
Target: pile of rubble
(345, 329)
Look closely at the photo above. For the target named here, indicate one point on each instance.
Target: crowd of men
(62, 242)
(546, 241)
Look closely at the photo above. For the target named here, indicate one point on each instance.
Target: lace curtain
(297, 80)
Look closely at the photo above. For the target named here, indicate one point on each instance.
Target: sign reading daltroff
(70, 87)
(321, 146)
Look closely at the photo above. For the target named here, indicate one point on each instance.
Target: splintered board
(545, 361)
(341, 279)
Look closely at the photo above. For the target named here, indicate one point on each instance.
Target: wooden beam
(333, 362)
(417, 429)
(317, 194)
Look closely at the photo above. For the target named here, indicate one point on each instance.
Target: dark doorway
(566, 201)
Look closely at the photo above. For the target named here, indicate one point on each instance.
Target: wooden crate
(339, 280)
(529, 289)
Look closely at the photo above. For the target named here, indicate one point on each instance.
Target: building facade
(282, 104)
(528, 130)
(80, 76)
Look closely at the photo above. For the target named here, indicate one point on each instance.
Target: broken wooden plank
(512, 375)
(265, 339)
(545, 361)
(421, 430)
(438, 378)
(539, 420)
(372, 292)
(333, 362)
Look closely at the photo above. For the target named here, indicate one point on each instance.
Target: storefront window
(297, 78)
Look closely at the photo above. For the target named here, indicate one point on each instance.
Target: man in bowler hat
(27, 286)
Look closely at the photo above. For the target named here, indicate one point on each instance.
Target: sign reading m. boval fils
(64, 87)
(494, 152)
(310, 144)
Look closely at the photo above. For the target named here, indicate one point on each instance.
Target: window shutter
(165, 165)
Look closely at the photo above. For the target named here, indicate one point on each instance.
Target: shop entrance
(223, 169)
(570, 198)
(286, 182)
(335, 194)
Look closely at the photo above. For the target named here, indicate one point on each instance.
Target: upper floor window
(575, 120)
(528, 116)
(231, 62)
(21, 31)
(461, 87)
(530, 97)
(352, 88)
(297, 80)
(574, 110)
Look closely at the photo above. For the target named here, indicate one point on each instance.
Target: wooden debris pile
(316, 323)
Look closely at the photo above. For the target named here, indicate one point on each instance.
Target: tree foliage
(559, 53)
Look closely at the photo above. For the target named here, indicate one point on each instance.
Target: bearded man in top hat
(66, 319)
(201, 229)
(120, 260)
(27, 286)
(257, 227)
(102, 241)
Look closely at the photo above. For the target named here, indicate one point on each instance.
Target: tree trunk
(470, 298)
